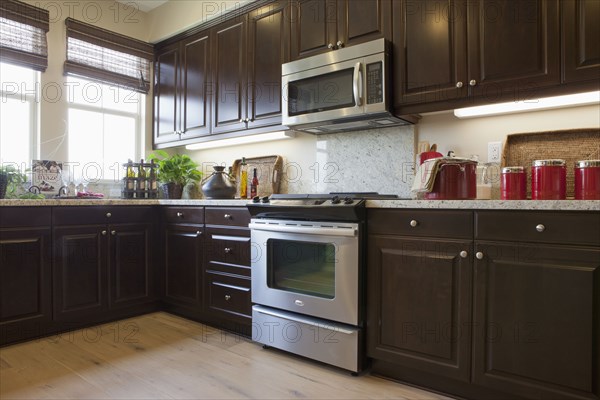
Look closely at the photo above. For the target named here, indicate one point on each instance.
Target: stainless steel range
(307, 275)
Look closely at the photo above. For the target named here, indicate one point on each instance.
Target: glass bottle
(243, 179)
(130, 180)
(141, 181)
(153, 184)
(254, 185)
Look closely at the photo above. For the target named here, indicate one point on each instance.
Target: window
(106, 125)
(18, 115)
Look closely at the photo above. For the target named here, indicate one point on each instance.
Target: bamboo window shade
(108, 57)
(23, 29)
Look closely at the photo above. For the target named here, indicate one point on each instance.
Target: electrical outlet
(494, 150)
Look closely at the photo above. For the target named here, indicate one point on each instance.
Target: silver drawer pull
(113, 233)
(463, 254)
(227, 250)
(180, 214)
(414, 223)
(479, 255)
(227, 216)
(540, 228)
(198, 233)
(103, 233)
(108, 215)
(227, 297)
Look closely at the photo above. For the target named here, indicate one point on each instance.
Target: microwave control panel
(375, 83)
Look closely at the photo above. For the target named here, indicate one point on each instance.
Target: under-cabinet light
(263, 137)
(570, 100)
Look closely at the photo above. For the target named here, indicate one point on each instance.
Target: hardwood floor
(162, 356)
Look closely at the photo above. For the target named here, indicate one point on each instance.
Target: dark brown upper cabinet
(268, 49)
(448, 50)
(319, 26)
(580, 44)
(181, 91)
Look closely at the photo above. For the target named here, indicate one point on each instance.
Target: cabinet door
(430, 51)
(580, 44)
(183, 265)
(25, 282)
(195, 81)
(363, 20)
(131, 274)
(268, 49)
(80, 279)
(166, 100)
(314, 27)
(419, 304)
(229, 75)
(537, 320)
(513, 48)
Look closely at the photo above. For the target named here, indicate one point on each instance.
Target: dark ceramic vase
(172, 190)
(218, 185)
(3, 185)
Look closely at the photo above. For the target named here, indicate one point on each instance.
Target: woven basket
(521, 149)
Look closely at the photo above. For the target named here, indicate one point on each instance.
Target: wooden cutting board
(268, 169)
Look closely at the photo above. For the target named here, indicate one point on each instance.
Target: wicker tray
(269, 170)
(570, 145)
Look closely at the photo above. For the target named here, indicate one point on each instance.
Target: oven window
(301, 267)
(321, 93)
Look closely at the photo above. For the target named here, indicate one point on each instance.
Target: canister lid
(546, 163)
(512, 170)
(587, 163)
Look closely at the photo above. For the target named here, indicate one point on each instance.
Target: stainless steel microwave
(343, 90)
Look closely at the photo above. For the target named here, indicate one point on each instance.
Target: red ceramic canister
(587, 180)
(549, 180)
(513, 183)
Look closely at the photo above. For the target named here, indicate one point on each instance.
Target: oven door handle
(308, 321)
(305, 230)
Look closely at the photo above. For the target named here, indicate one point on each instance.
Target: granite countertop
(565, 205)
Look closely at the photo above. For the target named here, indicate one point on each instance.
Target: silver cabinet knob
(227, 250)
(198, 233)
(340, 44)
(227, 216)
(247, 120)
(103, 233)
(479, 255)
(459, 84)
(180, 214)
(472, 82)
(330, 46)
(414, 223)
(463, 254)
(540, 228)
(227, 297)
(113, 233)
(241, 120)
(108, 215)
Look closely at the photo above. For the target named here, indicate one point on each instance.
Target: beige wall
(53, 100)
(177, 16)
(471, 136)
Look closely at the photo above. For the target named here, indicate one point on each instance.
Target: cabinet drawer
(81, 215)
(238, 216)
(17, 217)
(577, 228)
(432, 223)
(229, 246)
(183, 215)
(229, 294)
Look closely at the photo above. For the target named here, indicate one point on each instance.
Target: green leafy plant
(10, 180)
(178, 168)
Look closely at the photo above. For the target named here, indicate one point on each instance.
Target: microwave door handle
(357, 86)
(305, 230)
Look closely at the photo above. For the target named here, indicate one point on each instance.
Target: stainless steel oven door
(310, 268)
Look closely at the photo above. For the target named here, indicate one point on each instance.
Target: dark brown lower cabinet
(25, 273)
(537, 320)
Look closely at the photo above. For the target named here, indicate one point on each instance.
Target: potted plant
(174, 172)
(10, 179)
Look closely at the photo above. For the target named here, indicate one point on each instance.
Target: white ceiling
(145, 5)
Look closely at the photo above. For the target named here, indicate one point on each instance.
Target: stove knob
(265, 199)
(348, 200)
(256, 199)
(335, 200)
